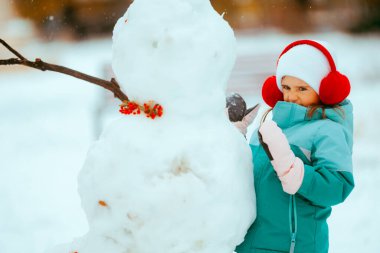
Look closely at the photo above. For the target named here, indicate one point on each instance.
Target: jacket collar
(287, 114)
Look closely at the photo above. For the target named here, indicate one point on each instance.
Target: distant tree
(228, 8)
(78, 16)
(370, 16)
(290, 15)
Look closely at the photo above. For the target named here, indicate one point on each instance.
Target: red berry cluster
(157, 110)
(128, 108)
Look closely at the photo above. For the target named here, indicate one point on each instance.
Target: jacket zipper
(292, 222)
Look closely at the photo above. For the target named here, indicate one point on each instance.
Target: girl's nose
(292, 97)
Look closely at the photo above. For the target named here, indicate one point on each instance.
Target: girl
(303, 163)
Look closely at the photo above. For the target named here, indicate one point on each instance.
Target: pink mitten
(283, 156)
(246, 121)
(292, 181)
(290, 169)
(241, 126)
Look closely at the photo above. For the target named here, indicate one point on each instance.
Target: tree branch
(112, 85)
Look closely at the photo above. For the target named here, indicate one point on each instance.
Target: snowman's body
(182, 183)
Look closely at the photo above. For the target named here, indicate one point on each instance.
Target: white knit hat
(306, 63)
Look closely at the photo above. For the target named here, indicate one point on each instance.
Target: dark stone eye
(236, 107)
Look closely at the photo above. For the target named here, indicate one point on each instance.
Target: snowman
(182, 182)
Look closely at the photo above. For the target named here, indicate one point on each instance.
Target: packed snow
(174, 52)
(186, 175)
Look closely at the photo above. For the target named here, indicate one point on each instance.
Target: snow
(184, 45)
(146, 178)
(46, 129)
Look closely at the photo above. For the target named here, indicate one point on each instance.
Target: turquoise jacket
(325, 147)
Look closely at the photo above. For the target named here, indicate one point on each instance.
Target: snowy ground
(48, 121)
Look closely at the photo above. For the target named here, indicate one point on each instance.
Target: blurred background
(48, 120)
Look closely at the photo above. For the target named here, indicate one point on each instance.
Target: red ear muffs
(270, 92)
(334, 88)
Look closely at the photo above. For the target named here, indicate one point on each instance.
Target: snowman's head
(173, 52)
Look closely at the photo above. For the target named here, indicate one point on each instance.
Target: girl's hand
(283, 156)
(289, 168)
(245, 122)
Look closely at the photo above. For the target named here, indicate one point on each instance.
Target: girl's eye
(285, 87)
(302, 89)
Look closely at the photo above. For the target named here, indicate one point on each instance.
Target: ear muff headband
(312, 43)
(333, 89)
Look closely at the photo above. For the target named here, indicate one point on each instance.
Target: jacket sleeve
(329, 179)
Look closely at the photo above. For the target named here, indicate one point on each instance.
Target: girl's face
(297, 91)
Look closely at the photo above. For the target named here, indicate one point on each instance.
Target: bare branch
(112, 85)
(5, 44)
